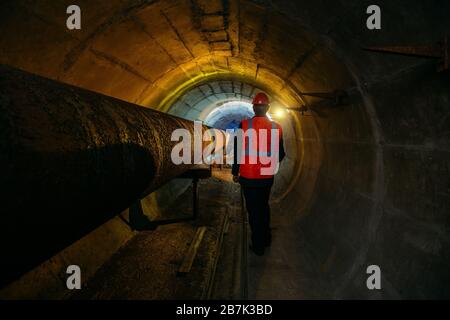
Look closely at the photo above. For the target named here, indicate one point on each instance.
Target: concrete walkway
(146, 267)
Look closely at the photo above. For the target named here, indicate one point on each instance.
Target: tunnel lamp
(280, 113)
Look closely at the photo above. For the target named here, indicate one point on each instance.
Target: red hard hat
(261, 98)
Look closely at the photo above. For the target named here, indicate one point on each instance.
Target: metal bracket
(439, 51)
(140, 222)
(335, 98)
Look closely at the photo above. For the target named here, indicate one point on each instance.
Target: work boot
(257, 251)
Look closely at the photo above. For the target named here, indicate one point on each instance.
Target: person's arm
(235, 166)
(282, 154)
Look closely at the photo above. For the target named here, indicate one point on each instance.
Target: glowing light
(279, 113)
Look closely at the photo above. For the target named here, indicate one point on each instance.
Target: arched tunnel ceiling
(229, 115)
(198, 102)
(151, 52)
(352, 172)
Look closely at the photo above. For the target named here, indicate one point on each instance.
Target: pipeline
(70, 160)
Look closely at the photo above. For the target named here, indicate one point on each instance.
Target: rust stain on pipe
(71, 159)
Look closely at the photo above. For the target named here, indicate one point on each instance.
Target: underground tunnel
(85, 131)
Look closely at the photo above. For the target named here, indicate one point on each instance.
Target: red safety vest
(257, 149)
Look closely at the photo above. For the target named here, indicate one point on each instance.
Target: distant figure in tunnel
(255, 179)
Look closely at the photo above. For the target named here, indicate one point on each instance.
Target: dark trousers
(257, 203)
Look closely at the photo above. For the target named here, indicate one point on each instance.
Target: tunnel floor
(285, 271)
(147, 266)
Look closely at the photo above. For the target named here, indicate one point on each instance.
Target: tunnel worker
(261, 147)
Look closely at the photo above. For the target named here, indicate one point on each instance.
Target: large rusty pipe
(70, 159)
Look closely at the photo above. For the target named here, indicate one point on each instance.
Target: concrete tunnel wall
(371, 177)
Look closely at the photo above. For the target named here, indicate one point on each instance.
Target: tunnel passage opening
(158, 55)
(223, 102)
(228, 115)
